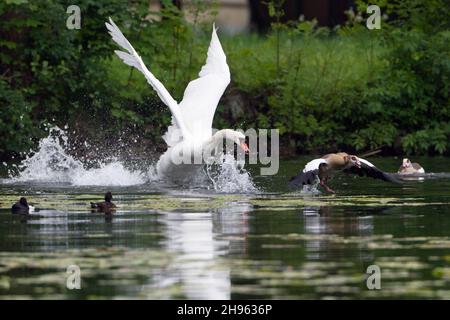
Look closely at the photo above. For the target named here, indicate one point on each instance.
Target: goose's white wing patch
(313, 164)
(366, 162)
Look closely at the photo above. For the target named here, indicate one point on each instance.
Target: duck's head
(108, 196)
(406, 163)
(23, 201)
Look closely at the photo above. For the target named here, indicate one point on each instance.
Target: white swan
(190, 134)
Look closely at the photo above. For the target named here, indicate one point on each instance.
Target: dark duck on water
(319, 171)
(22, 207)
(106, 206)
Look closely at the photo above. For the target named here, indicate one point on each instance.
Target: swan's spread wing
(131, 58)
(203, 94)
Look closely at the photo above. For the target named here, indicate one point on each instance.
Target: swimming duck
(410, 168)
(106, 206)
(319, 171)
(22, 207)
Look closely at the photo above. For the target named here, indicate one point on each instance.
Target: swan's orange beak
(244, 147)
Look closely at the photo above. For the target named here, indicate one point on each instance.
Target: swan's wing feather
(132, 58)
(173, 134)
(128, 59)
(216, 60)
(202, 95)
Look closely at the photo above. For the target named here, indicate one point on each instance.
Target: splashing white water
(52, 163)
(229, 177)
(112, 174)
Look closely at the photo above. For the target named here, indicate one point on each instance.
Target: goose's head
(354, 160)
(406, 163)
(232, 135)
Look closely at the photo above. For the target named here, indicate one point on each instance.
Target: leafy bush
(349, 88)
(15, 121)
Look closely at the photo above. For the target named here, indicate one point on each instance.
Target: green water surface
(169, 243)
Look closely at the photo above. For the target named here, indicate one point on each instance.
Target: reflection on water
(172, 244)
(191, 238)
(317, 221)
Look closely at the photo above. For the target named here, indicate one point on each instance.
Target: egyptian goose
(410, 168)
(106, 206)
(319, 171)
(22, 207)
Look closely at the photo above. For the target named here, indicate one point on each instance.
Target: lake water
(166, 242)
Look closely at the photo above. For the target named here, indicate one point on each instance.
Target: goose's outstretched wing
(203, 94)
(369, 170)
(131, 58)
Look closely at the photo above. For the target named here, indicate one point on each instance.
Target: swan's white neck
(216, 141)
(227, 134)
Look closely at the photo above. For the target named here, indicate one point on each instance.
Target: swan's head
(406, 163)
(235, 136)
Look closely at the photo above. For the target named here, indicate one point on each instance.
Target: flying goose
(319, 171)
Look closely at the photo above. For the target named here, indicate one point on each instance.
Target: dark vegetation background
(326, 89)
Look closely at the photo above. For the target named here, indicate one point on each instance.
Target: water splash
(53, 163)
(310, 189)
(230, 177)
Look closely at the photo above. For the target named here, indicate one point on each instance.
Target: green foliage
(414, 86)
(349, 88)
(419, 89)
(58, 72)
(15, 121)
(63, 76)
(352, 88)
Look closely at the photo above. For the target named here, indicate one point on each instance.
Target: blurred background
(310, 68)
(251, 15)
